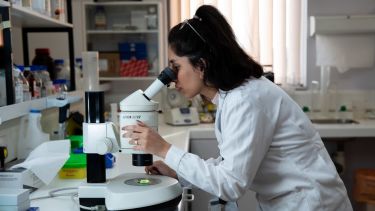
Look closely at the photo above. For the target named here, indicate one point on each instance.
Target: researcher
(266, 143)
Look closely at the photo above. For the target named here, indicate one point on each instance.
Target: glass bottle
(42, 57)
(100, 19)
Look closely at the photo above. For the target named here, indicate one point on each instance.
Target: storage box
(364, 187)
(134, 50)
(109, 64)
(19, 178)
(134, 68)
(14, 199)
(74, 168)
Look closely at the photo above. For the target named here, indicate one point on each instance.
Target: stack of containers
(133, 59)
(75, 166)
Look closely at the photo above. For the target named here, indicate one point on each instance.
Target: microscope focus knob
(104, 147)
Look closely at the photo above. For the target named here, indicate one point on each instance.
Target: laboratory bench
(180, 136)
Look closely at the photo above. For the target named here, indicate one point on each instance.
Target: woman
(266, 143)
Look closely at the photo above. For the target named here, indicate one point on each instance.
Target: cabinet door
(125, 32)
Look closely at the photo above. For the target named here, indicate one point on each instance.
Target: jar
(61, 88)
(42, 57)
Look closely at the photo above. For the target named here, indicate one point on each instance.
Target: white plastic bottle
(31, 135)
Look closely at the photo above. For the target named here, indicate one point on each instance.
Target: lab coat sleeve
(247, 134)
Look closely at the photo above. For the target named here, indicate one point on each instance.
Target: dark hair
(226, 65)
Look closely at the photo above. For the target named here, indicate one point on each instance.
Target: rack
(350, 24)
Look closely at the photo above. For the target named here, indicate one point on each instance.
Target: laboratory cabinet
(130, 37)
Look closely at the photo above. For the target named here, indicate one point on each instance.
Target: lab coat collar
(215, 100)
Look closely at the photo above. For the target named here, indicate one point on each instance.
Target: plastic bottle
(62, 70)
(18, 84)
(42, 57)
(31, 135)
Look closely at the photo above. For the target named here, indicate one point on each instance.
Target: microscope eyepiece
(167, 76)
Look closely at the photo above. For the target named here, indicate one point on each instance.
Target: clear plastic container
(25, 85)
(39, 6)
(62, 70)
(18, 84)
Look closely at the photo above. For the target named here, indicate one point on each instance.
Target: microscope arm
(100, 138)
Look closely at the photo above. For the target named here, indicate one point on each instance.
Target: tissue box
(12, 199)
(19, 178)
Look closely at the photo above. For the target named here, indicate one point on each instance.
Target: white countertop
(179, 136)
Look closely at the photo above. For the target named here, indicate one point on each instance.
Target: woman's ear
(202, 66)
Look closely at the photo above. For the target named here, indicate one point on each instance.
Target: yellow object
(74, 168)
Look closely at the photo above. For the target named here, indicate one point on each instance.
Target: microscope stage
(135, 190)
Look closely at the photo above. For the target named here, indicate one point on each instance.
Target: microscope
(138, 191)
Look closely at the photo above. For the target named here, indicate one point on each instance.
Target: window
(273, 32)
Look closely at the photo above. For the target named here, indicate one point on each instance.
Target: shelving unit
(121, 31)
(30, 18)
(17, 110)
(127, 78)
(30, 21)
(123, 26)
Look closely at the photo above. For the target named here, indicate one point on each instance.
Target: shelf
(351, 24)
(145, 31)
(127, 78)
(17, 110)
(4, 3)
(30, 18)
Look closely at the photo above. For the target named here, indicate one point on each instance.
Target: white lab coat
(269, 146)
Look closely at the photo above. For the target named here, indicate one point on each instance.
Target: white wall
(361, 79)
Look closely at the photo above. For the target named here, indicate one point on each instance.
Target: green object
(76, 141)
(76, 161)
(305, 109)
(343, 108)
(143, 181)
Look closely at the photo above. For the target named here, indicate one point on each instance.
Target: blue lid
(34, 68)
(20, 67)
(59, 81)
(59, 61)
(34, 110)
(78, 59)
(41, 67)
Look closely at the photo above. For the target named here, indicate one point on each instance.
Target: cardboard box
(109, 64)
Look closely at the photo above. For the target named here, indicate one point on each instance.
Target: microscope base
(132, 191)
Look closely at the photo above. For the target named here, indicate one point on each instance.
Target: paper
(47, 159)
(345, 52)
